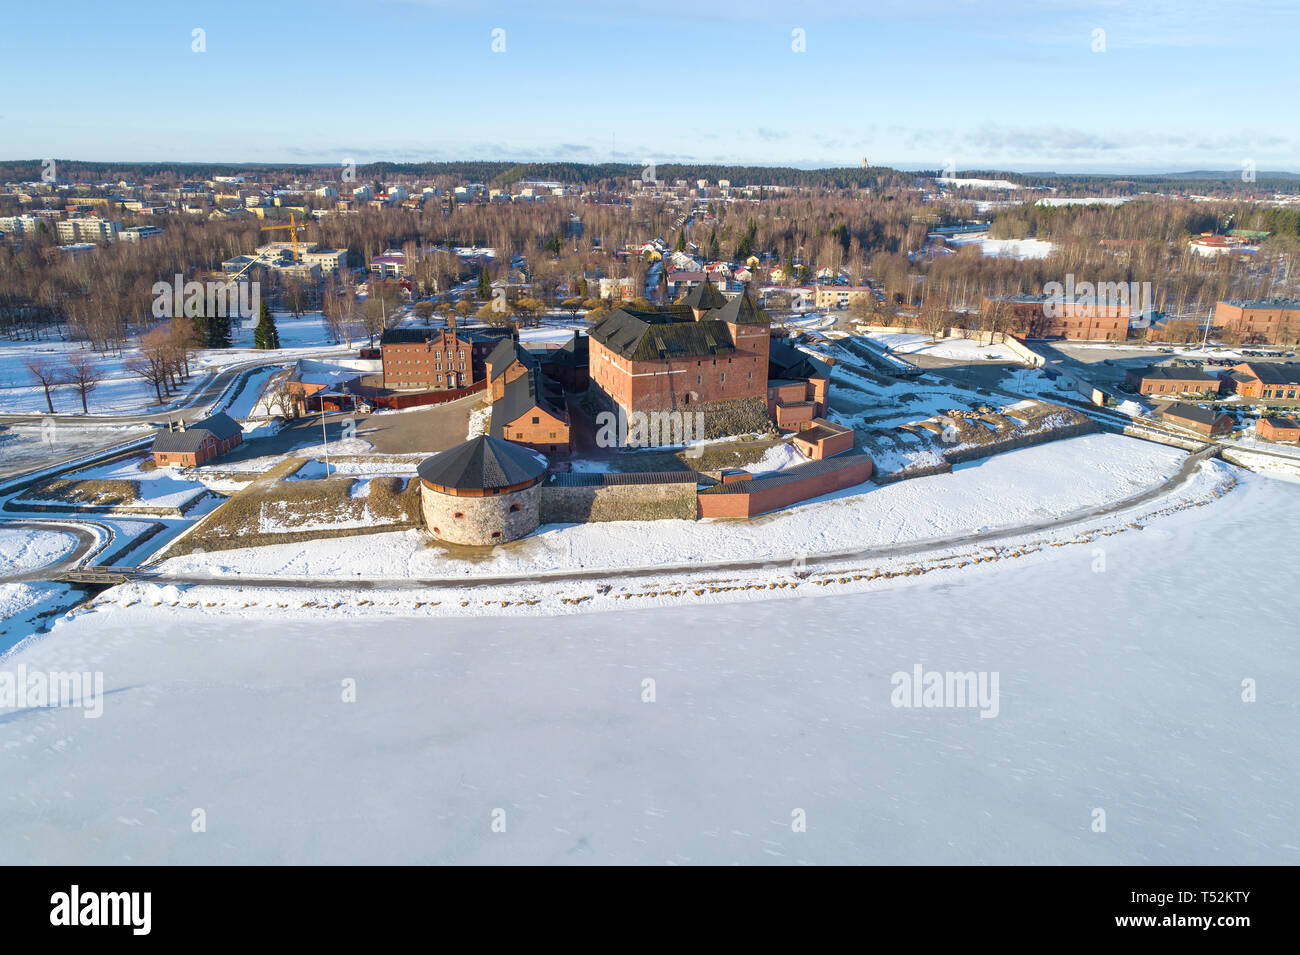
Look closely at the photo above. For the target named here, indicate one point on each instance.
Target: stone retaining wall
(618, 502)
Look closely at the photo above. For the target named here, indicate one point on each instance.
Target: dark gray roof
(1271, 373)
(500, 357)
(1177, 373)
(741, 310)
(1287, 304)
(705, 296)
(519, 398)
(787, 362)
(1186, 412)
(654, 336)
(482, 463)
(219, 426)
(408, 336)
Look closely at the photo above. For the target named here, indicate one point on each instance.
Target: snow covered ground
(1084, 201)
(956, 349)
(1022, 487)
(698, 734)
(1011, 248)
(25, 549)
(123, 391)
(963, 183)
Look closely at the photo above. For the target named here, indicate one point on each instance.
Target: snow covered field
(1009, 490)
(1120, 673)
(955, 349)
(1011, 248)
(25, 549)
(122, 391)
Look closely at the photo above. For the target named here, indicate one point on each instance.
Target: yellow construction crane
(294, 229)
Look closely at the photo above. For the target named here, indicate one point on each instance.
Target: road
(86, 542)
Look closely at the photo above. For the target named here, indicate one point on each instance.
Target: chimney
(182, 424)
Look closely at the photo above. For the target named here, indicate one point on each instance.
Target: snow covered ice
(1121, 688)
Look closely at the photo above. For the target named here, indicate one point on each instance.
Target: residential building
(841, 296)
(139, 233)
(88, 229)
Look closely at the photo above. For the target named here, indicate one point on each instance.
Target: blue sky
(1010, 85)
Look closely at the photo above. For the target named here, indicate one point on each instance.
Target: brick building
(1027, 317)
(1269, 381)
(527, 407)
(705, 354)
(433, 359)
(1278, 429)
(798, 386)
(823, 439)
(569, 364)
(198, 443)
(1259, 321)
(1205, 421)
(1172, 380)
(704, 351)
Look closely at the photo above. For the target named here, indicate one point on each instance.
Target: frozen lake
(1120, 688)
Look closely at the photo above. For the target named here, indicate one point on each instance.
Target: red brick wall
(1277, 326)
(1272, 432)
(549, 435)
(1165, 386)
(749, 503)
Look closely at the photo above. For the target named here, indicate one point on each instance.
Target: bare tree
(48, 374)
(154, 363)
(83, 372)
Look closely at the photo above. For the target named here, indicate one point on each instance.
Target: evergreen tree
(218, 332)
(715, 250)
(582, 288)
(266, 335)
(681, 242)
(484, 289)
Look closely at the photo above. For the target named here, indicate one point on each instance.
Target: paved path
(86, 542)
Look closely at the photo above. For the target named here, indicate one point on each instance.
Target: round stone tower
(484, 491)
